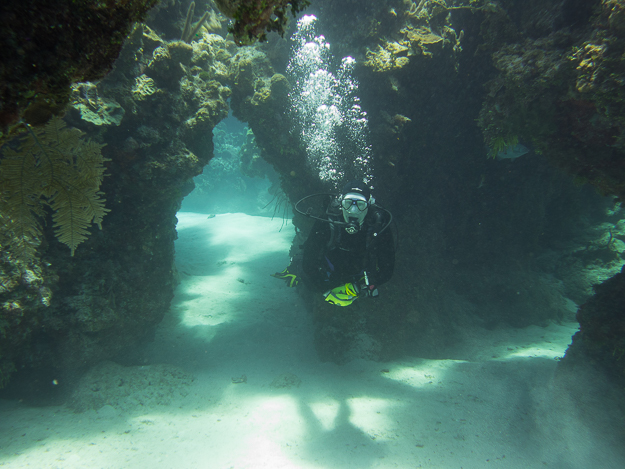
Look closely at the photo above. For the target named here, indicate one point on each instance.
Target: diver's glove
(343, 295)
(291, 279)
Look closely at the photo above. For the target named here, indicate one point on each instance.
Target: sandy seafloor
(497, 407)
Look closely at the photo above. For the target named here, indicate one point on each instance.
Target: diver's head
(355, 199)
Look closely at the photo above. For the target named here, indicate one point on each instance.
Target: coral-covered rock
(561, 90)
(425, 30)
(25, 295)
(167, 64)
(601, 338)
(253, 19)
(93, 108)
(260, 97)
(120, 282)
(48, 45)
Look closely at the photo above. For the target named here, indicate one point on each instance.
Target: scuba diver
(349, 252)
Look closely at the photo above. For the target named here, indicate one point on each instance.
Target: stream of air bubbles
(326, 109)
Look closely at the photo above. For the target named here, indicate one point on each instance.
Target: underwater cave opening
(237, 179)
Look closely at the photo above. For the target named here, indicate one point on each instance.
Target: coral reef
(252, 163)
(260, 97)
(253, 19)
(426, 30)
(120, 282)
(561, 90)
(93, 108)
(25, 295)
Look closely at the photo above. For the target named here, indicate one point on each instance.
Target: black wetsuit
(333, 257)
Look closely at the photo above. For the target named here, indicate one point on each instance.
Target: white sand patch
(493, 402)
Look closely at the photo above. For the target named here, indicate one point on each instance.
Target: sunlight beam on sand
(218, 259)
(534, 351)
(326, 413)
(372, 416)
(423, 374)
(235, 230)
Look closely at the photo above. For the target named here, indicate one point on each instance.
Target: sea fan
(51, 166)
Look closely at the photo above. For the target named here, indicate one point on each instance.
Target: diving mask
(354, 207)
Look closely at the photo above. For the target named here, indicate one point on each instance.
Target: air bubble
(324, 108)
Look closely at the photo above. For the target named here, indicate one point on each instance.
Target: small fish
(512, 152)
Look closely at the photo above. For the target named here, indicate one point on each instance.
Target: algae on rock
(425, 30)
(94, 108)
